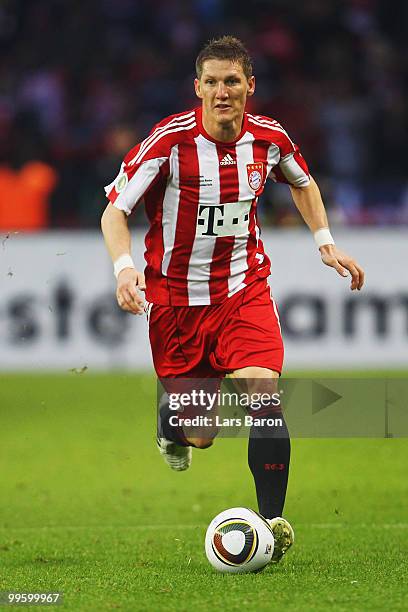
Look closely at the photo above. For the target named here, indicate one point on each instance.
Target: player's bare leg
(206, 436)
(268, 457)
(201, 442)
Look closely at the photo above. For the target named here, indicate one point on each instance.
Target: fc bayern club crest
(255, 175)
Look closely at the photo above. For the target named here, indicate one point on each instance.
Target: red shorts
(210, 341)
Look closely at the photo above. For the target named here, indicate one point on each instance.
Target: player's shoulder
(164, 135)
(264, 119)
(179, 119)
(266, 127)
(174, 128)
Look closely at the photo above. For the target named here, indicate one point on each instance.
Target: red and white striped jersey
(200, 195)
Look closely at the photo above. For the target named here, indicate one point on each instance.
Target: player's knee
(201, 442)
(255, 372)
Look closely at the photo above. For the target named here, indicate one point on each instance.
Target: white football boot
(284, 537)
(176, 456)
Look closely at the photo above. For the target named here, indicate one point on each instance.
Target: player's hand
(344, 264)
(130, 282)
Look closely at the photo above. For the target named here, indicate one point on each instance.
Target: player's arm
(117, 238)
(140, 168)
(310, 205)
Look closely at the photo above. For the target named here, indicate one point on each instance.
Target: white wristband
(322, 237)
(122, 262)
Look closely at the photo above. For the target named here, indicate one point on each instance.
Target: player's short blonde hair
(225, 48)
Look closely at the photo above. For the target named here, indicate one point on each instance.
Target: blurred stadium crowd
(82, 81)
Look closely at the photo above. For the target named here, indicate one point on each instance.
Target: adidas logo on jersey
(227, 161)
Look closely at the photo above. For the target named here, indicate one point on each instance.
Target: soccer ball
(239, 540)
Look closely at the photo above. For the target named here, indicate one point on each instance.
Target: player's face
(223, 88)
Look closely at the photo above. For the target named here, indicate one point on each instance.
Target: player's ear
(197, 88)
(251, 86)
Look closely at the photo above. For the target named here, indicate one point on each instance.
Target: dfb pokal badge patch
(121, 182)
(255, 174)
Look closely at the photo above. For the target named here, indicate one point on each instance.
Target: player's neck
(224, 132)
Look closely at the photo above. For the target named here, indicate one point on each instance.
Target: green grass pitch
(89, 508)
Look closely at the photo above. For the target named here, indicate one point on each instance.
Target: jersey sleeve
(291, 167)
(141, 167)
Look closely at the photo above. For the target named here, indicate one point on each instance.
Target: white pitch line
(90, 527)
(177, 527)
(359, 525)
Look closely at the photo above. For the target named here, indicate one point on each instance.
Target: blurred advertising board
(58, 309)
